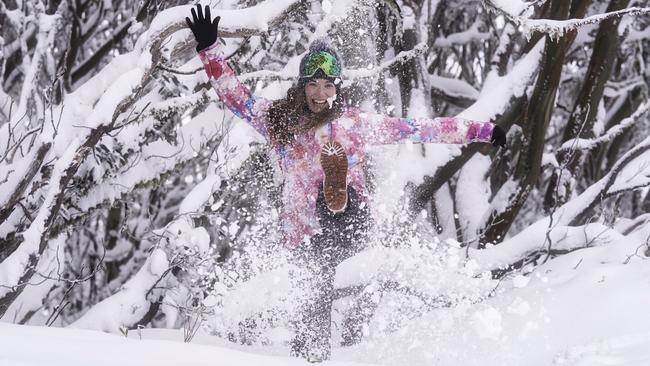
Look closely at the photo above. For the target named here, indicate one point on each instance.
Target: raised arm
(443, 130)
(235, 95)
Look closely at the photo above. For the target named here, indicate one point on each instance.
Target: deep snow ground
(40, 346)
(586, 308)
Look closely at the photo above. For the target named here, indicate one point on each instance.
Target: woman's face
(317, 92)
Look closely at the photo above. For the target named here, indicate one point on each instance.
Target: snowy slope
(548, 322)
(587, 307)
(584, 308)
(39, 346)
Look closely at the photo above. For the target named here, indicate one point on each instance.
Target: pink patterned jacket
(355, 130)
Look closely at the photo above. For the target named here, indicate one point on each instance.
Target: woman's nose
(321, 92)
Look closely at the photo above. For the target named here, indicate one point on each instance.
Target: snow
(398, 165)
(131, 302)
(533, 238)
(635, 174)
(45, 277)
(588, 144)
(586, 307)
(326, 5)
(419, 106)
(474, 201)
(339, 10)
(419, 49)
(557, 28)
(272, 287)
(200, 194)
(454, 87)
(162, 156)
(497, 90)
(520, 281)
(529, 325)
(471, 35)
(512, 7)
(628, 350)
(592, 313)
(487, 323)
(13, 174)
(75, 347)
(13, 267)
(520, 12)
(255, 17)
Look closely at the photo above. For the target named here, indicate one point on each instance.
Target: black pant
(342, 236)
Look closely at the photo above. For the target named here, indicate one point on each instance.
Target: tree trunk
(407, 74)
(583, 116)
(540, 108)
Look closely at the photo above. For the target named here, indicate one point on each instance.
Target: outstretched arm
(235, 95)
(443, 130)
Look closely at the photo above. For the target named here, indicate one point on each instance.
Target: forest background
(130, 198)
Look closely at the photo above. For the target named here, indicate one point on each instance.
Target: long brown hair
(290, 116)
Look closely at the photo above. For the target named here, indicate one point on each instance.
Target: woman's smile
(318, 92)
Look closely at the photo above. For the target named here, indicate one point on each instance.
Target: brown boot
(335, 168)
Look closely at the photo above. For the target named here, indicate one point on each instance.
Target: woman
(320, 144)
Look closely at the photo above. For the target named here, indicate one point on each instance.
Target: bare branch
(590, 144)
(560, 27)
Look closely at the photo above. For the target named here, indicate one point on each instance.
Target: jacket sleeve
(235, 95)
(443, 130)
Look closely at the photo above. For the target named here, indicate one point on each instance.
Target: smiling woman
(320, 94)
(320, 143)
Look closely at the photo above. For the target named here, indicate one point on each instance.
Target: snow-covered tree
(130, 196)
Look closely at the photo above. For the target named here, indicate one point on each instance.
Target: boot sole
(334, 162)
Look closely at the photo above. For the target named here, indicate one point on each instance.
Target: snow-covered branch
(136, 172)
(132, 303)
(403, 56)
(350, 75)
(559, 27)
(590, 144)
(473, 34)
(456, 91)
(631, 171)
(529, 244)
(555, 28)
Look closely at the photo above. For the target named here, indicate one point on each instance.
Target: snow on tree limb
(21, 179)
(530, 243)
(509, 8)
(457, 91)
(590, 144)
(159, 157)
(337, 12)
(631, 171)
(14, 268)
(46, 276)
(126, 308)
(614, 182)
(403, 56)
(350, 74)
(158, 153)
(6, 101)
(492, 100)
(258, 19)
(473, 34)
(234, 22)
(98, 108)
(557, 28)
(45, 41)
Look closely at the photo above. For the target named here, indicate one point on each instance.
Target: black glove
(498, 137)
(203, 27)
